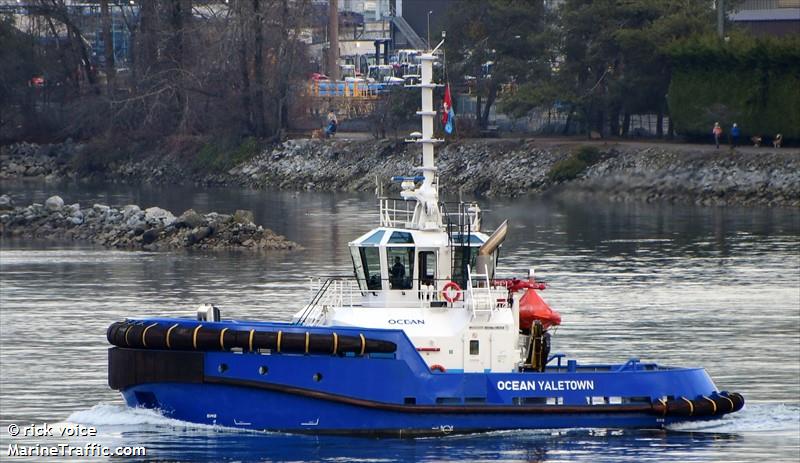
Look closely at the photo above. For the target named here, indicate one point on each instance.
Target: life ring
(437, 367)
(446, 292)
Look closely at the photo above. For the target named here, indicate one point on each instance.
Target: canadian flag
(448, 115)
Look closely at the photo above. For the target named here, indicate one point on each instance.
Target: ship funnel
(484, 261)
(495, 240)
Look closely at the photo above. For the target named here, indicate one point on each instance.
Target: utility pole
(333, 39)
(721, 18)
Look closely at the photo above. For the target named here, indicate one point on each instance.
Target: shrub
(749, 81)
(222, 155)
(573, 166)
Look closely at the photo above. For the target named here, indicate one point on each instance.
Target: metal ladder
(481, 299)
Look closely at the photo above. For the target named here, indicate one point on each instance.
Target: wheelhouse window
(374, 239)
(427, 268)
(401, 265)
(371, 264)
(401, 238)
(463, 256)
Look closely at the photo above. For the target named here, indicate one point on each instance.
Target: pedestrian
(735, 132)
(333, 124)
(717, 131)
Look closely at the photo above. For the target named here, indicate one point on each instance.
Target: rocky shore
(623, 171)
(130, 227)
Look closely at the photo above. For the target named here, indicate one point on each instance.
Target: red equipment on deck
(531, 306)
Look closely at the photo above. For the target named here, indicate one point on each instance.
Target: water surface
(715, 287)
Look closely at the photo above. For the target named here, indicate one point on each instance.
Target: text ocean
(566, 385)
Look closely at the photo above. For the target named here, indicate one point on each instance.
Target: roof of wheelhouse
(404, 236)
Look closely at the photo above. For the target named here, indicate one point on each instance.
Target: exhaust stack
(485, 262)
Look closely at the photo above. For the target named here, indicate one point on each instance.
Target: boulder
(54, 203)
(6, 203)
(129, 210)
(156, 215)
(100, 208)
(242, 216)
(199, 234)
(190, 219)
(150, 236)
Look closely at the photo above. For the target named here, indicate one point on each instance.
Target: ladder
(481, 299)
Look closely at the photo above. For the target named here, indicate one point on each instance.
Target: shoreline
(617, 170)
(131, 227)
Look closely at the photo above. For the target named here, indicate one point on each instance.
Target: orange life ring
(446, 292)
(437, 367)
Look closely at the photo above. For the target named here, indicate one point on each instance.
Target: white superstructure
(428, 271)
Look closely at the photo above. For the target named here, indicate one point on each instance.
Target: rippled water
(717, 287)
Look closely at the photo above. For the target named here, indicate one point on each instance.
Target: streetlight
(429, 29)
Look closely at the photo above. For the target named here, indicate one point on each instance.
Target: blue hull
(396, 393)
(246, 408)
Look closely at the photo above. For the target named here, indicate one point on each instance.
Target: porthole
(263, 370)
(317, 377)
(222, 368)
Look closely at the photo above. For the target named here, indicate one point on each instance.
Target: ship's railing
(464, 215)
(482, 296)
(396, 213)
(399, 213)
(344, 292)
(328, 293)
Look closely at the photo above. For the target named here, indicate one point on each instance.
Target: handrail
(314, 301)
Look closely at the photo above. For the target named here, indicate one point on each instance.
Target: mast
(427, 215)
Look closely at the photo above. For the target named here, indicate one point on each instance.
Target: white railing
(482, 296)
(342, 293)
(394, 215)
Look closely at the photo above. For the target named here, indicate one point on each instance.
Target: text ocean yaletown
(571, 385)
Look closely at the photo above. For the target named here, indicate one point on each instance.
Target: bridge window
(374, 239)
(463, 256)
(401, 265)
(427, 268)
(371, 263)
(401, 238)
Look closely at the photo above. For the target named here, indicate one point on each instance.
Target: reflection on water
(717, 287)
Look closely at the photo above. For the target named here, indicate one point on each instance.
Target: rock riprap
(130, 227)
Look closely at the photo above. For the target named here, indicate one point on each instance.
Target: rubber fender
(196, 336)
(738, 400)
(705, 406)
(680, 407)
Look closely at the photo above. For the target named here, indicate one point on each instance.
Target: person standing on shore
(735, 132)
(717, 131)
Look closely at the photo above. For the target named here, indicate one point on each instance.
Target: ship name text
(551, 385)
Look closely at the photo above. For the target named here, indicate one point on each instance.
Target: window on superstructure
(427, 268)
(374, 239)
(401, 238)
(474, 347)
(371, 262)
(401, 266)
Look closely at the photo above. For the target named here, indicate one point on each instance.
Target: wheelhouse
(408, 261)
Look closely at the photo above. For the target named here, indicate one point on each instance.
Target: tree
(614, 55)
(497, 43)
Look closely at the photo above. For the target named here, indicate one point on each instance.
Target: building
(768, 17)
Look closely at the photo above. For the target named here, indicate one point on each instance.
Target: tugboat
(423, 340)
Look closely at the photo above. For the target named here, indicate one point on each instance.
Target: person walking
(735, 132)
(717, 131)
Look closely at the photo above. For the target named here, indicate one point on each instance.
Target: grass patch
(573, 166)
(220, 156)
